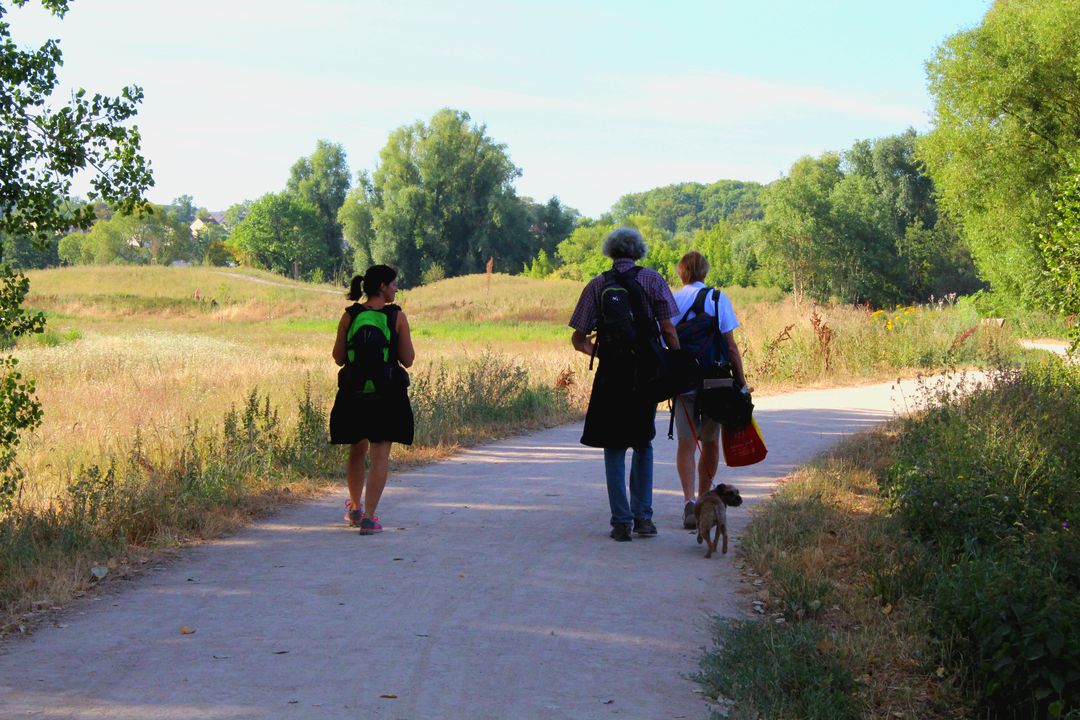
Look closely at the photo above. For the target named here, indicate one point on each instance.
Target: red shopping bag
(743, 446)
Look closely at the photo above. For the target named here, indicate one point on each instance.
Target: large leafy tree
(798, 225)
(276, 235)
(441, 198)
(44, 146)
(1006, 123)
(322, 180)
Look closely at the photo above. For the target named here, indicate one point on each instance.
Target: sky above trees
(593, 100)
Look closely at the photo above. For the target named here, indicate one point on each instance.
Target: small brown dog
(711, 513)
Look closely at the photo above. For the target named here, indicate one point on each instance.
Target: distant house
(214, 218)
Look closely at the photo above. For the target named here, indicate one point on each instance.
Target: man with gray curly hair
(621, 415)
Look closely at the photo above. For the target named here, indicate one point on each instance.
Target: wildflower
(1065, 524)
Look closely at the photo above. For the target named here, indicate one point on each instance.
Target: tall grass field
(179, 401)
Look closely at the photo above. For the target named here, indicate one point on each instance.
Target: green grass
(779, 673)
(499, 331)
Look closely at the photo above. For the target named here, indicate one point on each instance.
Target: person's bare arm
(583, 343)
(406, 352)
(671, 338)
(339, 341)
(736, 359)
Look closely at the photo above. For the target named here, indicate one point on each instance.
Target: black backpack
(701, 333)
(626, 328)
(719, 395)
(370, 350)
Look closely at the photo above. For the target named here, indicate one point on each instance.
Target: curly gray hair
(625, 242)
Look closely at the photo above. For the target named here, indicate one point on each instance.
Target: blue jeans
(641, 478)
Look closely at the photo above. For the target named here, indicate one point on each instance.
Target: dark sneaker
(645, 527)
(621, 533)
(689, 521)
(370, 527)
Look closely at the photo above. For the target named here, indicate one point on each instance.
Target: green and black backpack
(370, 350)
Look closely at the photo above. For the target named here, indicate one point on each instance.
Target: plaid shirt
(587, 313)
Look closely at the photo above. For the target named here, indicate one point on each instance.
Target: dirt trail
(494, 593)
(288, 286)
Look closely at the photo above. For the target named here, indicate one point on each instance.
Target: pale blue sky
(592, 99)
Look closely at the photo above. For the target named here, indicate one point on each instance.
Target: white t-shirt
(685, 296)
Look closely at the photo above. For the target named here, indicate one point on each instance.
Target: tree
(150, 236)
(797, 222)
(1006, 122)
(281, 232)
(183, 209)
(858, 258)
(45, 146)
(441, 195)
(322, 181)
(235, 214)
(581, 255)
(23, 253)
(550, 223)
(355, 218)
(1059, 243)
(686, 207)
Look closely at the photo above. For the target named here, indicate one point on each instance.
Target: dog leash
(693, 432)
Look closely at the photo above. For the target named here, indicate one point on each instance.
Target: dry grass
(148, 356)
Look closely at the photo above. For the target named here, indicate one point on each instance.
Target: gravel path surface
(494, 593)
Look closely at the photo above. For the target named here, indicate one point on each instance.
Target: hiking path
(494, 592)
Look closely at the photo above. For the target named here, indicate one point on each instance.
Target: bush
(1013, 622)
(994, 467)
(990, 482)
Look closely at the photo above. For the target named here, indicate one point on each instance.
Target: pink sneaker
(369, 526)
(353, 515)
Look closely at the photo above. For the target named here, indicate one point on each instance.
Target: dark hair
(371, 281)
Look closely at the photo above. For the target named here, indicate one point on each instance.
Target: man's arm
(583, 343)
(671, 338)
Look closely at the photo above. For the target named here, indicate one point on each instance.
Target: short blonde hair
(692, 267)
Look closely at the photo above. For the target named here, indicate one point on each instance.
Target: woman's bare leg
(355, 471)
(380, 468)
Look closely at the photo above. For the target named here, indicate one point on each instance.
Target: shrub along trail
(494, 592)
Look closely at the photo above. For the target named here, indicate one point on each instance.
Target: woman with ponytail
(371, 410)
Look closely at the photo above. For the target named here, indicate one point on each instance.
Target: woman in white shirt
(692, 269)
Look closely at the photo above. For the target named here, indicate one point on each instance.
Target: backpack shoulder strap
(698, 306)
(721, 345)
(629, 281)
(392, 312)
(699, 300)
